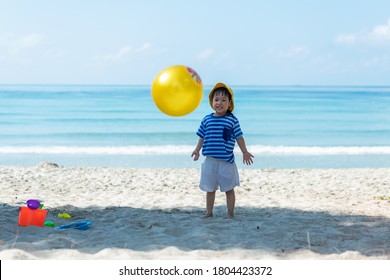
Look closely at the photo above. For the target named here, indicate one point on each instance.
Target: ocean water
(120, 126)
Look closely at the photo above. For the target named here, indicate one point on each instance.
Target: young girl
(218, 133)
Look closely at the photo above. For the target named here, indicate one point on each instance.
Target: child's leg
(210, 198)
(230, 202)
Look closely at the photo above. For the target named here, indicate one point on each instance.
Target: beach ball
(177, 90)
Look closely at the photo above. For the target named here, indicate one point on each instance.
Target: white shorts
(218, 173)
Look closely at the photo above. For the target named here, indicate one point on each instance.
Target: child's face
(221, 103)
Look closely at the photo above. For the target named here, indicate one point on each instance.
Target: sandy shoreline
(157, 214)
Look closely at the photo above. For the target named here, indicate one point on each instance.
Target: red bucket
(31, 217)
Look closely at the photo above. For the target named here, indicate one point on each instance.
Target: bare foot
(208, 215)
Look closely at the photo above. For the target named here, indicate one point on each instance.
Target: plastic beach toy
(64, 215)
(49, 224)
(82, 225)
(33, 204)
(31, 217)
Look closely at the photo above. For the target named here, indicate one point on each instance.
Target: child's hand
(247, 158)
(195, 154)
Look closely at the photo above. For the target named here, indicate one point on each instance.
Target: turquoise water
(284, 127)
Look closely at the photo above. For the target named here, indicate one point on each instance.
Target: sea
(120, 126)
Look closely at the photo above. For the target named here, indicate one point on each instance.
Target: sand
(158, 214)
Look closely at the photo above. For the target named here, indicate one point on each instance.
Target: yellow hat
(222, 85)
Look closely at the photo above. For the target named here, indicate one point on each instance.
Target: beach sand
(158, 214)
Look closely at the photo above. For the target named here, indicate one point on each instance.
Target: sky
(245, 42)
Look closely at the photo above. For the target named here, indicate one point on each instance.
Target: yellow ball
(177, 90)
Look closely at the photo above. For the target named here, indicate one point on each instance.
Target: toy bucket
(31, 217)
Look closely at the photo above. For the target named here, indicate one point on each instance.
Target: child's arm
(246, 156)
(195, 153)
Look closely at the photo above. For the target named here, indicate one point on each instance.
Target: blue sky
(244, 42)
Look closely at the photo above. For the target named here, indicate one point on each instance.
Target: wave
(186, 149)
(317, 150)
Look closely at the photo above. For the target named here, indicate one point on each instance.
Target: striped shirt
(219, 134)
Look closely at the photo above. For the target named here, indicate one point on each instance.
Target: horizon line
(207, 85)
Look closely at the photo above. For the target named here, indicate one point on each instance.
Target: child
(218, 133)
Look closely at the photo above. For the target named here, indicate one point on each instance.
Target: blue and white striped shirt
(219, 134)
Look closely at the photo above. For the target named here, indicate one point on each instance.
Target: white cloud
(5, 39)
(378, 34)
(291, 52)
(31, 40)
(54, 53)
(125, 52)
(225, 54)
(14, 45)
(346, 39)
(381, 32)
(118, 55)
(376, 61)
(145, 47)
(295, 51)
(205, 54)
